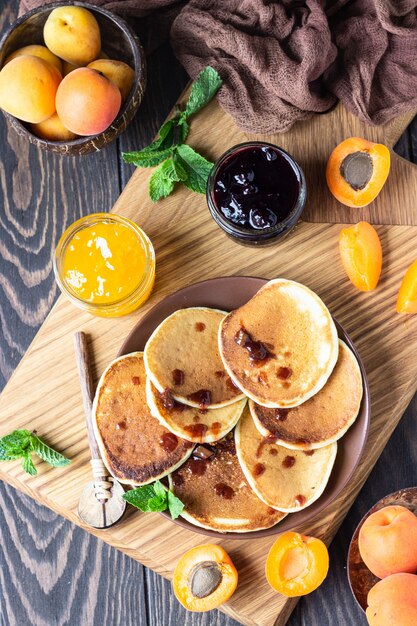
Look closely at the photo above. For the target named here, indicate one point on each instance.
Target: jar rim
(100, 218)
(253, 234)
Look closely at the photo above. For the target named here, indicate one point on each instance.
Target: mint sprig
(153, 498)
(178, 162)
(20, 444)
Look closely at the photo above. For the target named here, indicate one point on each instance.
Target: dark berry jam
(256, 191)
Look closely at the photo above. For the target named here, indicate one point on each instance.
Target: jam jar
(105, 264)
(256, 193)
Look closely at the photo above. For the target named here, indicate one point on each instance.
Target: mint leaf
(140, 497)
(157, 504)
(159, 185)
(147, 157)
(204, 88)
(173, 170)
(160, 489)
(196, 167)
(20, 443)
(14, 446)
(175, 505)
(152, 498)
(28, 466)
(54, 458)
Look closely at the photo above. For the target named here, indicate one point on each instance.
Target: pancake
(191, 423)
(281, 346)
(217, 495)
(182, 355)
(322, 419)
(135, 448)
(286, 480)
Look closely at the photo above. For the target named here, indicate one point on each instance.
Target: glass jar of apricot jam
(256, 193)
(105, 264)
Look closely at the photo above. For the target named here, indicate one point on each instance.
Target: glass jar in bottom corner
(105, 265)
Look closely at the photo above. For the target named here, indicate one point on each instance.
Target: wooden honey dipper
(101, 504)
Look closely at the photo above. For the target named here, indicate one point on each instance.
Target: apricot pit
(204, 578)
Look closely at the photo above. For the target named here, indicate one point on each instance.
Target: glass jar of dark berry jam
(256, 193)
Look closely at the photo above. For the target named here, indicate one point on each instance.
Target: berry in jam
(256, 187)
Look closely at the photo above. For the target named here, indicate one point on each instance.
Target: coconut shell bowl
(118, 42)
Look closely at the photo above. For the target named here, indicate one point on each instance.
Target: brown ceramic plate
(227, 294)
(361, 579)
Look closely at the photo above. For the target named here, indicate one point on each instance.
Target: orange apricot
(36, 50)
(28, 86)
(357, 170)
(361, 254)
(120, 73)
(388, 541)
(407, 295)
(204, 578)
(296, 565)
(393, 601)
(87, 102)
(52, 129)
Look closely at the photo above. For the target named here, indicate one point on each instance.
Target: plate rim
(365, 406)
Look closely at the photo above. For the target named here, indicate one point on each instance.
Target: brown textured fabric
(283, 60)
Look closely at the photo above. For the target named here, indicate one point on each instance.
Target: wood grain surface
(50, 571)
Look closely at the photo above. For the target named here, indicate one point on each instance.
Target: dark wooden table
(51, 572)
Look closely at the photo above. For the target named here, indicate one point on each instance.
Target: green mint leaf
(175, 505)
(159, 489)
(147, 157)
(28, 466)
(140, 497)
(196, 167)
(159, 185)
(157, 504)
(184, 129)
(204, 88)
(173, 170)
(7, 455)
(47, 454)
(16, 444)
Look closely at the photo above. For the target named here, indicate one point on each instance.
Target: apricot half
(388, 541)
(361, 254)
(204, 578)
(393, 601)
(357, 170)
(407, 295)
(87, 102)
(28, 86)
(296, 565)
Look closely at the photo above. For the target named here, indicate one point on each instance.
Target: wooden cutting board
(43, 394)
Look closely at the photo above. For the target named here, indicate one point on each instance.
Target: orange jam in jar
(105, 264)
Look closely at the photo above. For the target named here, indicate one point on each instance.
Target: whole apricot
(36, 50)
(393, 601)
(28, 86)
(52, 129)
(73, 34)
(120, 73)
(388, 541)
(87, 102)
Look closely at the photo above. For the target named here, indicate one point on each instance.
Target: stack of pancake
(241, 411)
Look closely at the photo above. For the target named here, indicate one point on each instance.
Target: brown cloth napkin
(283, 60)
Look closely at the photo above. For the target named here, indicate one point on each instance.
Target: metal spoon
(101, 504)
